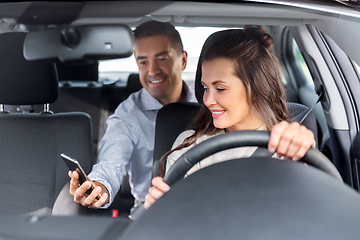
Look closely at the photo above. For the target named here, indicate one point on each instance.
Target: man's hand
(156, 191)
(291, 140)
(79, 192)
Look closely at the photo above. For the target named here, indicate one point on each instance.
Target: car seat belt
(263, 152)
(302, 116)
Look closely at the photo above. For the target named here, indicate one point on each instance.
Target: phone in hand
(74, 165)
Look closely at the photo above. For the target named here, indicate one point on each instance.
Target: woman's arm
(290, 140)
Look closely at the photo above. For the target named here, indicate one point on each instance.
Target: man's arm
(115, 152)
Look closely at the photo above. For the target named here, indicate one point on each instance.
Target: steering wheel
(239, 139)
(257, 198)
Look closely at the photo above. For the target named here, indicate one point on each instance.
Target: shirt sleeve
(116, 149)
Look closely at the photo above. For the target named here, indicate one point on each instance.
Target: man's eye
(162, 59)
(142, 63)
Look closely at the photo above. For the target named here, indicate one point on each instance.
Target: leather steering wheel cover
(239, 139)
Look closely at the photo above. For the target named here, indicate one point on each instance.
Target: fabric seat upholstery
(32, 173)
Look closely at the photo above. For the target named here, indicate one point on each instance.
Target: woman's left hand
(291, 140)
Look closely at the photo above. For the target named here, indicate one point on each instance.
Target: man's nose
(153, 68)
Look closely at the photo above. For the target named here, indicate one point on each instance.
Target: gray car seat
(174, 118)
(32, 172)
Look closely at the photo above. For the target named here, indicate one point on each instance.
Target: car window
(357, 68)
(301, 64)
(193, 39)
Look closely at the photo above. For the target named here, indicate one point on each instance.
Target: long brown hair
(257, 67)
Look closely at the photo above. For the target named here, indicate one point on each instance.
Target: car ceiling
(324, 15)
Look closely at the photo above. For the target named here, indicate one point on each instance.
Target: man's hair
(154, 28)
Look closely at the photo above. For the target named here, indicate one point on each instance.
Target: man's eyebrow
(156, 55)
(161, 53)
(141, 57)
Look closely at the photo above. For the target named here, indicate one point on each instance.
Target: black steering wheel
(239, 139)
(251, 198)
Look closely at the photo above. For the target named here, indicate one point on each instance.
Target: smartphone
(74, 165)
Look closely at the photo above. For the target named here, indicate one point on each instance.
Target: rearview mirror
(83, 44)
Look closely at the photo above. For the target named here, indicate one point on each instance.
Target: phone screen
(74, 165)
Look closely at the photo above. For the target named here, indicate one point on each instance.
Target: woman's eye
(220, 89)
(206, 89)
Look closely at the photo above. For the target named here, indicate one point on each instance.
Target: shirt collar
(151, 103)
(148, 101)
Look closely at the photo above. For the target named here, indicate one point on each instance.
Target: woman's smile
(217, 113)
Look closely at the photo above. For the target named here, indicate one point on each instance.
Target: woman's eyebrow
(214, 83)
(217, 81)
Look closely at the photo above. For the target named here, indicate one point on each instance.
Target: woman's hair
(256, 66)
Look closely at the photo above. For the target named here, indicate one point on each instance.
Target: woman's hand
(156, 191)
(291, 140)
(79, 192)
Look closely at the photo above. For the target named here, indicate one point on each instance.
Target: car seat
(34, 177)
(174, 118)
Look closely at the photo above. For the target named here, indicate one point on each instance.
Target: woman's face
(225, 96)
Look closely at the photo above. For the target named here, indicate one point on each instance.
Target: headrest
(77, 72)
(133, 83)
(23, 82)
(199, 90)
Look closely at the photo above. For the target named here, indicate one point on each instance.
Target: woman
(242, 91)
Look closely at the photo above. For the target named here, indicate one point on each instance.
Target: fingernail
(166, 189)
(272, 150)
(295, 159)
(87, 184)
(98, 189)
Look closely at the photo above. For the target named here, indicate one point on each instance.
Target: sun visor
(80, 44)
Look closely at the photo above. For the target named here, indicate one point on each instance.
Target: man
(129, 139)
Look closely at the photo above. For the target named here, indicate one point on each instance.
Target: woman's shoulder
(182, 136)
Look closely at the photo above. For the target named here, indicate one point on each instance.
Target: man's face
(160, 67)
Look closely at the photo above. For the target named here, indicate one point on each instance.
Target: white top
(234, 153)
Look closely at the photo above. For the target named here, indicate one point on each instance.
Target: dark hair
(257, 67)
(154, 28)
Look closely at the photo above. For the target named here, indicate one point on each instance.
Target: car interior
(55, 98)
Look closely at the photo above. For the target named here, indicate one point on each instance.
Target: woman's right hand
(79, 192)
(156, 191)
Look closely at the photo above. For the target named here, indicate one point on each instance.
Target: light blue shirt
(128, 144)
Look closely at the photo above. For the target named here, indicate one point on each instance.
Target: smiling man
(128, 143)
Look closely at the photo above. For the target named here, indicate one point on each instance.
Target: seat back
(172, 119)
(32, 172)
(175, 118)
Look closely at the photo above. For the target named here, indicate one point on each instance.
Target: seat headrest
(199, 90)
(78, 72)
(23, 82)
(133, 83)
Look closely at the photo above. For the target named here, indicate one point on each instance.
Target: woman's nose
(209, 98)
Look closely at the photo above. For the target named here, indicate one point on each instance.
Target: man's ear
(184, 56)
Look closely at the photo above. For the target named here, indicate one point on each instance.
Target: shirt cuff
(99, 178)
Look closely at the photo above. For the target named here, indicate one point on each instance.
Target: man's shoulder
(131, 103)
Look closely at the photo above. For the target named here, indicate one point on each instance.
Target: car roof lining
(326, 18)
